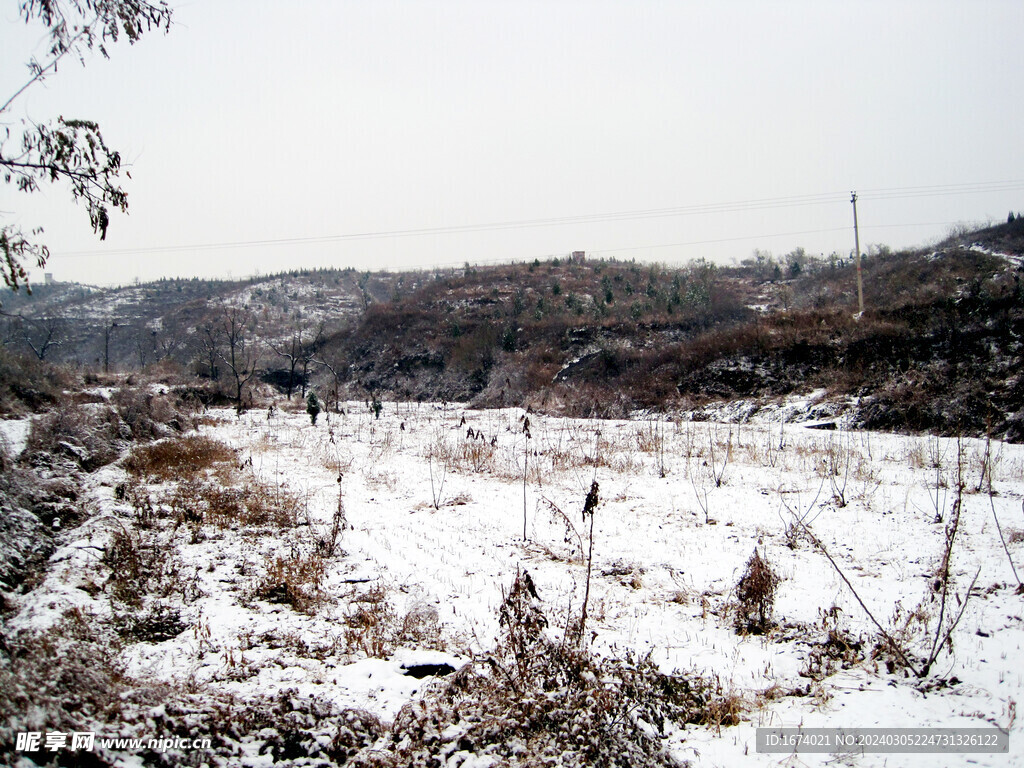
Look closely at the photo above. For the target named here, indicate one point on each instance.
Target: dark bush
(28, 385)
(755, 594)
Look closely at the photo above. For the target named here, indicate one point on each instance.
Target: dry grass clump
(295, 580)
(249, 506)
(420, 626)
(534, 701)
(475, 455)
(373, 628)
(168, 460)
(370, 624)
(218, 501)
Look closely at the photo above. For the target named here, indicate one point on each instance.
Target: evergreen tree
(313, 407)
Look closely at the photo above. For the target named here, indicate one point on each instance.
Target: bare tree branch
(71, 151)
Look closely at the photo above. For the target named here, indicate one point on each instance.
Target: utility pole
(106, 346)
(856, 240)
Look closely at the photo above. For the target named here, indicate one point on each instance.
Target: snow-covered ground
(14, 432)
(436, 498)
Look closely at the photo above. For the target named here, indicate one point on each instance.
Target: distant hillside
(1005, 238)
(938, 347)
(135, 326)
(504, 334)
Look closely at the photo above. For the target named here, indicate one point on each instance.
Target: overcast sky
(378, 134)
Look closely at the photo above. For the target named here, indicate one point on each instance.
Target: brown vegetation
(172, 459)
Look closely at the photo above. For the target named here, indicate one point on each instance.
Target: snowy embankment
(436, 498)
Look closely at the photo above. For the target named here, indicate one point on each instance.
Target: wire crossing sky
(262, 137)
(748, 205)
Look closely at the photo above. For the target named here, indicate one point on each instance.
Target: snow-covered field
(436, 499)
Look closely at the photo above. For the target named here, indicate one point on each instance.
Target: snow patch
(14, 432)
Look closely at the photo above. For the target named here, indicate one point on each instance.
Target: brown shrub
(370, 624)
(533, 700)
(755, 594)
(375, 629)
(28, 385)
(139, 567)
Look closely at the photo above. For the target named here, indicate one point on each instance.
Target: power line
(718, 240)
(600, 252)
(937, 190)
(736, 206)
(748, 205)
(764, 236)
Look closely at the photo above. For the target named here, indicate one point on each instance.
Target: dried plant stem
(438, 495)
(702, 498)
(942, 638)
(1006, 549)
(888, 638)
(526, 463)
(943, 632)
(952, 528)
(589, 507)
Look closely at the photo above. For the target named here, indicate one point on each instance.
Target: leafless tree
(38, 334)
(107, 330)
(144, 339)
(336, 372)
(206, 344)
(299, 351)
(240, 350)
(67, 151)
(169, 340)
(364, 293)
(10, 333)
